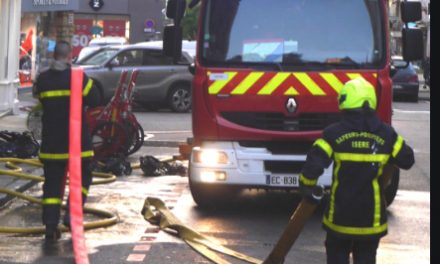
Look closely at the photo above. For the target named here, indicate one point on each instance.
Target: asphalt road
(250, 225)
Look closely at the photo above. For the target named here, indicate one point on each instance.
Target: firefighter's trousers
(53, 187)
(338, 250)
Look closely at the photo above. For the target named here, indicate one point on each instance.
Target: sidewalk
(424, 91)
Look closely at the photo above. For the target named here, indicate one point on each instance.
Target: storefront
(79, 21)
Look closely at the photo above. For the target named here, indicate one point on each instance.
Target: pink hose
(75, 186)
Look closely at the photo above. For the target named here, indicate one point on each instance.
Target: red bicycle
(114, 128)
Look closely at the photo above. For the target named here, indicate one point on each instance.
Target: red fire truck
(266, 79)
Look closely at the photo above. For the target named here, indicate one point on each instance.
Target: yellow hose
(156, 212)
(16, 171)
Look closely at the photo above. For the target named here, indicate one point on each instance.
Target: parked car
(187, 45)
(97, 43)
(106, 41)
(405, 79)
(160, 82)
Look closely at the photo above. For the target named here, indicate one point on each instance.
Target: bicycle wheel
(110, 139)
(33, 121)
(137, 137)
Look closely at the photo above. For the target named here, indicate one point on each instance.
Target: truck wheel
(208, 195)
(179, 98)
(203, 194)
(391, 190)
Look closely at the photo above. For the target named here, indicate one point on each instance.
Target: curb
(5, 113)
(163, 143)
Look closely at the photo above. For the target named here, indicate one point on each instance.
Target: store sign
(49, 5)
(149, 26)
(96, 4)
(114, 28)
(82, 35)
(49, 2)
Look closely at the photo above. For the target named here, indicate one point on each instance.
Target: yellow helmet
(355, 93)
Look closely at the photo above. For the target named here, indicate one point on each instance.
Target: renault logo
(291, 105)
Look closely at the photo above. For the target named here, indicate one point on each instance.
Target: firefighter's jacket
(53, 90)
(360, 145)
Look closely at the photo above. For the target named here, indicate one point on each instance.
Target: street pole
(10, 12)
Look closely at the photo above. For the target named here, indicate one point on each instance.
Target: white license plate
(397, 86)
(282, 180)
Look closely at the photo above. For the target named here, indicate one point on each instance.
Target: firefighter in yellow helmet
(360, 146)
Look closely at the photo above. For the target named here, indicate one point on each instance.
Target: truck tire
(391, 190)
(203, 194)
(208, 195)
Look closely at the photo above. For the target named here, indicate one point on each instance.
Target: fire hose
(156, 212)
(15, 171)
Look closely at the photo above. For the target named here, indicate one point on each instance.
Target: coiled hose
(15, 171)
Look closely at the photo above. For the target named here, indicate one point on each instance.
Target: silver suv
(160, 82)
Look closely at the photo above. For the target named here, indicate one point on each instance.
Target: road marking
(136, 257)
(148, 238)
(411, 112)
(148, 136)
(143, 247)
(153, 229)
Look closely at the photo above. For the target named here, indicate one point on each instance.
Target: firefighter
(360, 145)
(53, 91)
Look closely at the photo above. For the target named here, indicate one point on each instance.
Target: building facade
(79, 21)
(9, 41)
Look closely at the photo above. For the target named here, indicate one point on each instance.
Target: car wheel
(179, 98)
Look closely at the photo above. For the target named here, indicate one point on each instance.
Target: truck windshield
(337, 33)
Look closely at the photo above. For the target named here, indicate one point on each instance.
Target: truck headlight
(210, 157)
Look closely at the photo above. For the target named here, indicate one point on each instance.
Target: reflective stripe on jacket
(53, 91)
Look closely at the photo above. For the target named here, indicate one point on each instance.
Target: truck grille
(287, 167)
(280, 147)
(280, 122)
